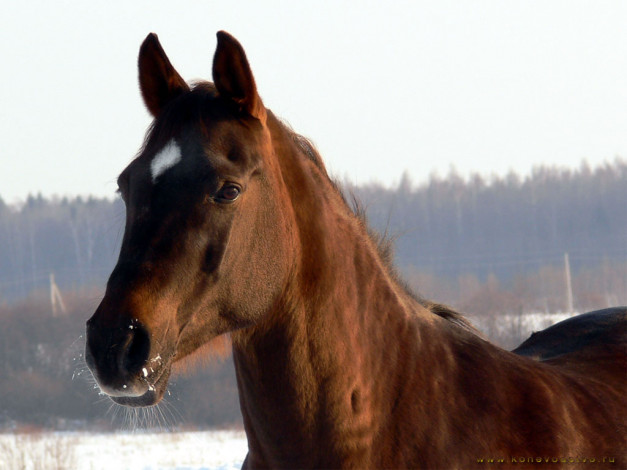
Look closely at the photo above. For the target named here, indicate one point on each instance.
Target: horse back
(593, 344)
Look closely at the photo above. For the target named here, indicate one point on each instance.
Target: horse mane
(384, 242)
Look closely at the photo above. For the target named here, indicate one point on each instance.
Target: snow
(206, 450)
(524, 324)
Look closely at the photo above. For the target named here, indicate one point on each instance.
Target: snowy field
(224, 450)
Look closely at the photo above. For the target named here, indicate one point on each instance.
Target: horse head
(197, 259)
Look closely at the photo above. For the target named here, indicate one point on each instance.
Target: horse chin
(151, 397)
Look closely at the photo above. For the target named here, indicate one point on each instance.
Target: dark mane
(383, 241)
(308, 149)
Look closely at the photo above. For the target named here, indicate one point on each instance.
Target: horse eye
(228, 193)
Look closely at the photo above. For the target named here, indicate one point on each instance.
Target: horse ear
(233, 77)
(159, 82)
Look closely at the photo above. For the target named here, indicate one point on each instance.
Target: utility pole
(55, 298)
(569, 287)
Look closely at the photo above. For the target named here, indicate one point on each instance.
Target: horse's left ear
(233, 77)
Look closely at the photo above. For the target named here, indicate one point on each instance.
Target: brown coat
(233, 226)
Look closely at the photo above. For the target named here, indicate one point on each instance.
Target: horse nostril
(116, 357)
(135, 352)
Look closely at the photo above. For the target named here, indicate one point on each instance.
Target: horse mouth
(153, 395)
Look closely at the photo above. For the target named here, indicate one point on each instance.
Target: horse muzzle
(123, 363)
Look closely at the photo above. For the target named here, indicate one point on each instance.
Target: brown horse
(233, 226)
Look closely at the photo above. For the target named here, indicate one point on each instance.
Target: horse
(233, 227)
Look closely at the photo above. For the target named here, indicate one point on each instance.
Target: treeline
(453, 235)
(448, 232)
(505, 226)
(75, 239)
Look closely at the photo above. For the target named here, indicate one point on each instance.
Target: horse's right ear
(159, 82)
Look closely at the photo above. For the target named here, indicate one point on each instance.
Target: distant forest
(460, 241)
(453, 237)
(487, 247)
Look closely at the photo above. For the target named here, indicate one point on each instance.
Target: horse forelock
(197, 108)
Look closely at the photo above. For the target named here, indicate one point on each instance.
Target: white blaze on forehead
(165, 159)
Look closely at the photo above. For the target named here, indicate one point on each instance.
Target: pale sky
(380, 87)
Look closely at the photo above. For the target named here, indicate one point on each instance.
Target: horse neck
(338, 276)
(346, 364)
(340, 322)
